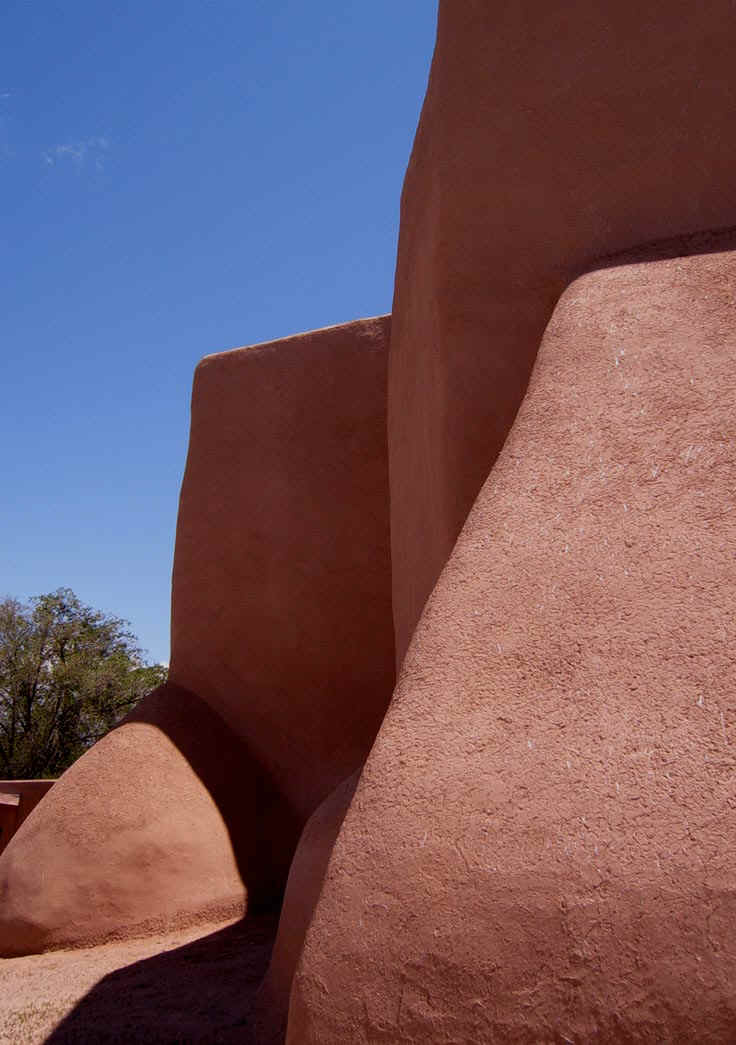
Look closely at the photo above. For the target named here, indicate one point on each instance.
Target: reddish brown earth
(194, 985)
(541, 844)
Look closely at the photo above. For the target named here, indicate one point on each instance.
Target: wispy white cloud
(80, 153)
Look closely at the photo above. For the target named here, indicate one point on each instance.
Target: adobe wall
(552, 134)
(142, 834)
(281, 602)
(282, 660)
(269, 1014)
(541, 845)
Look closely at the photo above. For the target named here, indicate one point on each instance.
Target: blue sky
(177, 178)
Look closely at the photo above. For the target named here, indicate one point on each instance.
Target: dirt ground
(189, 986)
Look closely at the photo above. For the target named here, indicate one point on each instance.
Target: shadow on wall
(202, 992)
(181, 824)
(263, 828)
(219, 988)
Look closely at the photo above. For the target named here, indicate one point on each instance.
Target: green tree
(68, 674)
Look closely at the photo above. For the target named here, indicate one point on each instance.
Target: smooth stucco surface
(281, 605)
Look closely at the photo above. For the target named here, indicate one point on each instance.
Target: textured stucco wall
(541, 845)
(552, 134)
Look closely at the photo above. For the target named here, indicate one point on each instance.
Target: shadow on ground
(201, 992)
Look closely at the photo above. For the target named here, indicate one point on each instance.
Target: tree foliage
(68, 674)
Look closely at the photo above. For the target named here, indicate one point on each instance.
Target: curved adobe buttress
(552, 134)
(541, 846)
(541, 843)
(282, 660)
